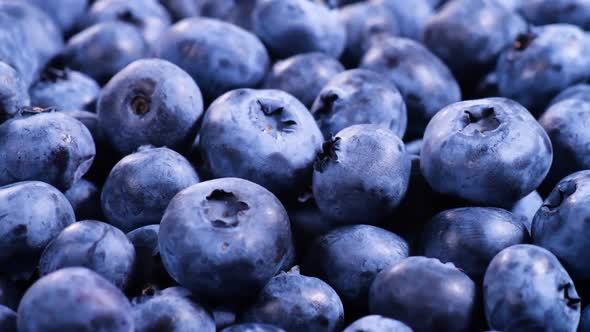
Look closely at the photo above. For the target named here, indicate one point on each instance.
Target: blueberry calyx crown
(140, 105)
(29, 110)
(480, 120)
(275, 117)
(223, 208)
(523, 41)
(571, 301)
(127, 16)
(327, 102)
(328, 154)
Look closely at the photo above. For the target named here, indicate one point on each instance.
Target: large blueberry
(64, 89)
(470, 34)
(349, 258)
(542, 62)
(13, 92)
(359, 96)
(566, 122)
(143, 104)
(290, 27)
(486, 151)
(103, 49)
(34, 213)
(7, 319)
(140, 186)
(94, 245)
(218, 55)
(46, 146)
(411, 19)
(296, 302)
(527, 207)
(84, 196)
(541, 12)
(224, 238)
(471, 237)
(424, 81)
(147, 15)
(361, 175)
(365, 23)
(65, 13)
(376, 323)
(526, 289)
(265, 136)
(252, 327)
(425, 294)
(561, 224)
(303, 75)
(171, 314)
(72, 300)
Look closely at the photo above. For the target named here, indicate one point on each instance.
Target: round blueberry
(376, 323)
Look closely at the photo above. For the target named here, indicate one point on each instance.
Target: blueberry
(303, 75)
(527, 207)
(424, 81)
(290, 27)
(365, 23)
(218, 55)
(542, 62)
(527, 289)
(359, 96)
(470, 34)
(296, 302)
(149, 16)
(349, 258)
(72, 300)
(7, 319)
(46, 146)
(84, 196)
(265, 136)
(65, 13)
(425, 294)
(94, 245)
(103, 49)
(171, 314)
(578, 91)
(34, 213)
(224, 238)
(540, 12)
(142, 104)
(565, 123)
(376, 323)
(13, 92)
(64, 89)
(361, 175)
(486, 151)
(412, 19)
(471, 237)
(561, 224)
(252, 327)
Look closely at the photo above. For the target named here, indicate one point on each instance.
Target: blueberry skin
(526, 289)
(584, 320)
(15, 52)
(7, 319)
(84, 196)
(102, 50)
(413, 290)
(424, 81)
(60, 148)
(232, 11)
(470, 237)
(468, 35)
(527, 207)
(149, 16)
(290, 27)
(296, 302)
(171, 314)
(65, 13)
(252, 327)
(142, 104)
(141, 185)
(560, 224)
(578, 91)
(64, 89)
(74, 299)
(365, 23)
(218, 55)
(224, 238)
(13, 92)
(265, 136)
(540, 12)
(361, 175)
(348, 258)
(412, 19)
(35, 213)
(94, 245)
(376, 323)
(487, 151)
(359, 96)
(303, 75)
(543, 62)
(566, 123)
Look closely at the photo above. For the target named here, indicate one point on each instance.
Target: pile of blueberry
(294, 165)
